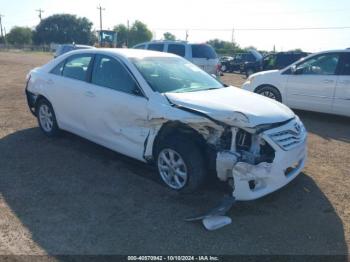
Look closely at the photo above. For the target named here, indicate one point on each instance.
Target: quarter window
(77, 66)
(325, 64)
(176, 49)
(58, 69)
(109, 73)
(203, 51)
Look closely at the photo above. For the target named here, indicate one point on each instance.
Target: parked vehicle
(272, 61)
(319, 82)
(202, 55)
(162, 109)
(62, 49)
(240, 59)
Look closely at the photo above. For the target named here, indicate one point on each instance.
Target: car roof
(124, 52)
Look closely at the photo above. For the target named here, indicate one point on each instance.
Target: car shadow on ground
(326, 125)
(75, 197)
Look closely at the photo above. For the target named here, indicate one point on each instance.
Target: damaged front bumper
(252, 181)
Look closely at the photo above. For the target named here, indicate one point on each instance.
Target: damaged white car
(159, 108)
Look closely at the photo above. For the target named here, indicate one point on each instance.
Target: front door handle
(89, 94)
(345, 82)
(328, 81)
(50, 82)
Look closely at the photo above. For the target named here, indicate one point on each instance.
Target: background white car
(202, 55)
(319, 82)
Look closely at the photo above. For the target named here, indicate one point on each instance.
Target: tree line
(67, 28)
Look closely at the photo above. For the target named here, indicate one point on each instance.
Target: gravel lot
(70, 196)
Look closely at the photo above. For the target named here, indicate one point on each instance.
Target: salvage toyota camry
(160, 108)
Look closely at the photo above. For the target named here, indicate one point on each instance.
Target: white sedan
(319, 82)
(160, 108)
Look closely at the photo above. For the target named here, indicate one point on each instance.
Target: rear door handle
(345, 82)
(89, 94)
(50, 82)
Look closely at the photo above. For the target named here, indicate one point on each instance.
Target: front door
(116, 109)
(312, 86)
(341, 104)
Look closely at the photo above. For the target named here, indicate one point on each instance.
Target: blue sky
(177, 15)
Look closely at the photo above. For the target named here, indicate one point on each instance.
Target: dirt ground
(70, 196)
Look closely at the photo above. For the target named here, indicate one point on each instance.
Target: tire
(46, 118)
(191, 156)
(270, 92)
(249, 72)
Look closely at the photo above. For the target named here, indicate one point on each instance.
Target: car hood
(233, 106)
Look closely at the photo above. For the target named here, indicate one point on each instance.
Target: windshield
(174, 74)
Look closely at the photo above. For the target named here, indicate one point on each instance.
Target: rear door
(116, 108)
(204, 56)
(67, 85)
(341, 103)
(312, 87)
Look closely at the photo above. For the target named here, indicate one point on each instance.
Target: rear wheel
(181, 165)
(46, 118)
(270, 92)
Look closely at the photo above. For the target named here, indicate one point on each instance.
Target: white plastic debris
(216, 222)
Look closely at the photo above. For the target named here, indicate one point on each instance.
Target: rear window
(156, 47)
(203, 51)
(176, 49)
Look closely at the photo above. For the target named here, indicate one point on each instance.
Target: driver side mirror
(296, 70)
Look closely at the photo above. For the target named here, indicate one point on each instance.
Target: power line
(40, 11)
(258, 29)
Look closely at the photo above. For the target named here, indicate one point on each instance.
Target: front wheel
(46, 118)
(270, 92)
(181, 165)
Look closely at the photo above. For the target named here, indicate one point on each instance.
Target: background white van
(202, 55)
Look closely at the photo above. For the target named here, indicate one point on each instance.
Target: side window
(110, 73)
(156, 47)
(203, 51)
(140, 47)
(77, 66)
(176, 49)
(345, 64)
(57, 70)
(325, 64)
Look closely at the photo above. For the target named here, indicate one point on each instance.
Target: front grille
(289, 138)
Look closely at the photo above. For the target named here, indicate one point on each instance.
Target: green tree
(64, 28)
(20, 35)
(122, 34)
(139, 33)
(224, 47)
(169, 36)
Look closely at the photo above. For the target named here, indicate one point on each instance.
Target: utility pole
(233, 35)
(187, 35)
(2, 33)
(127, 34)
(101, 9)
(40, 11)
